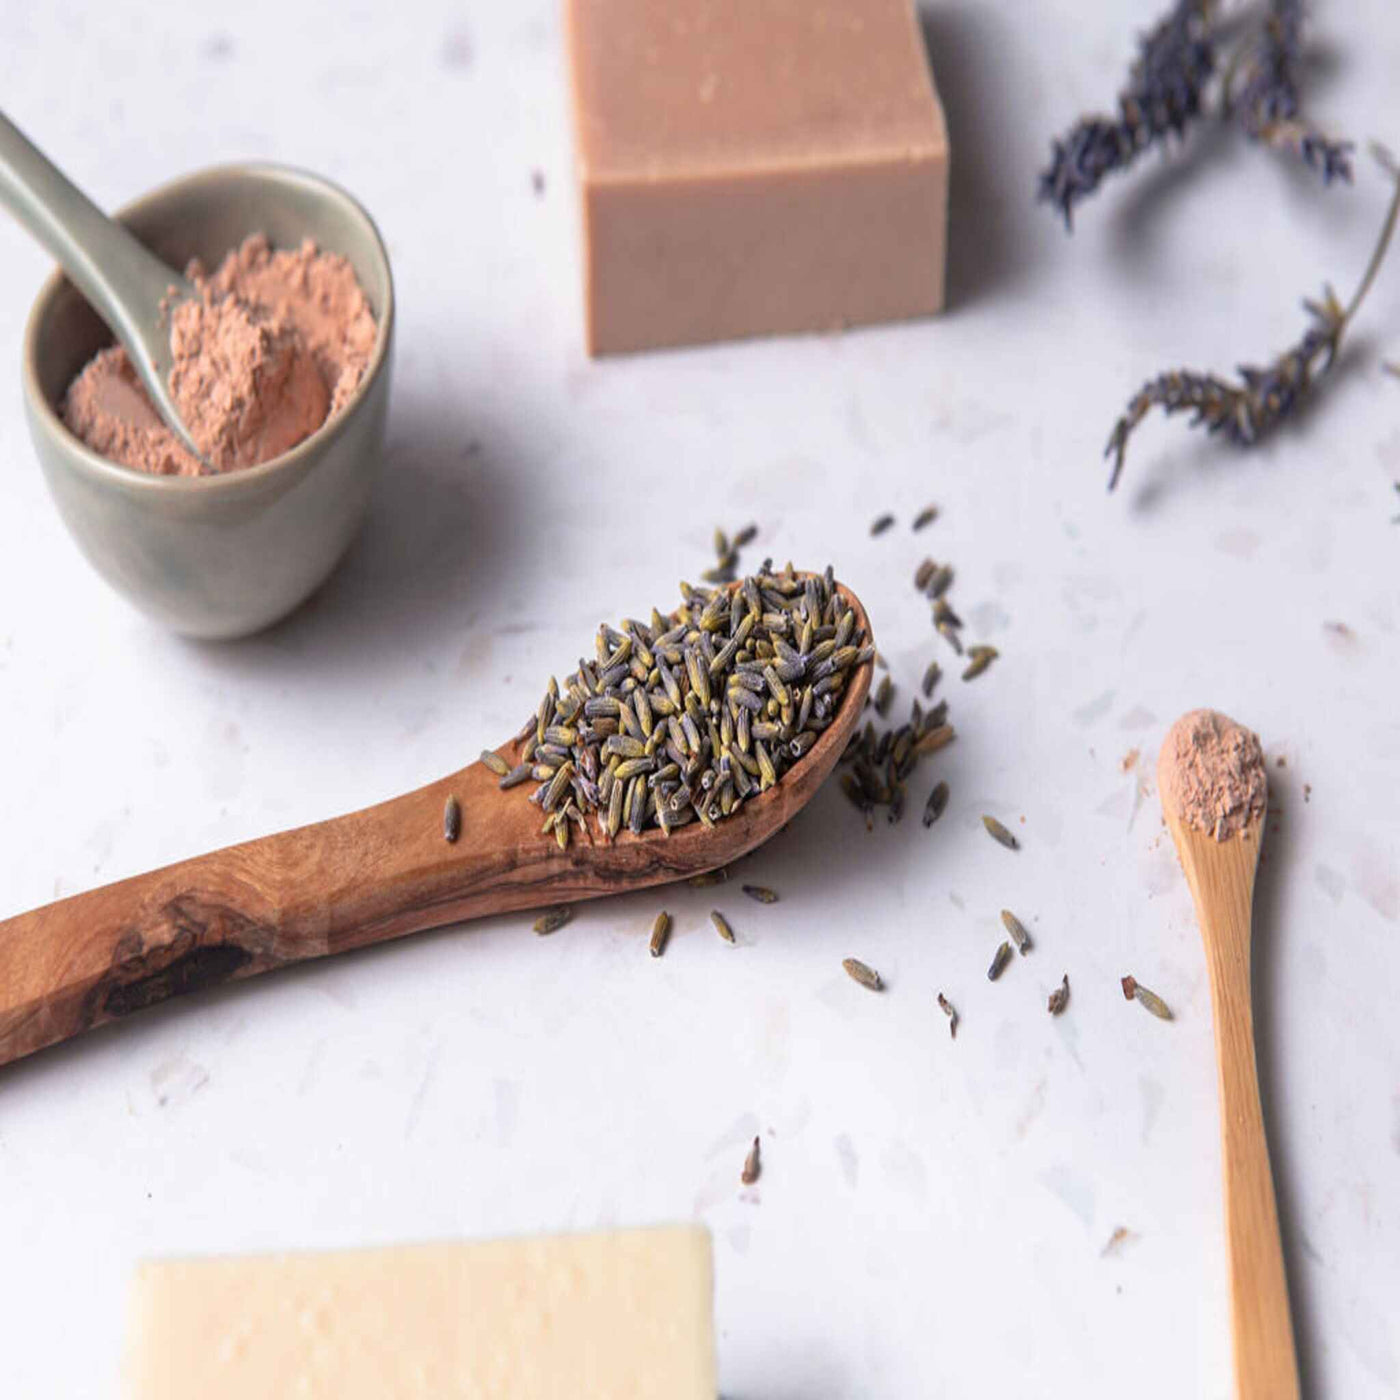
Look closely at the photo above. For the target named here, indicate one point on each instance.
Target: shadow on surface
(968, 48)
(1141, 193)
(437, 544)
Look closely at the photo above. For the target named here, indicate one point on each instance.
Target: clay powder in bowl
(277, 343)
(227, 554)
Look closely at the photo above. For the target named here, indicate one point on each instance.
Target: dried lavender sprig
(1175, 61)
(1268, 102)
(1244, 413)
(1330, 158)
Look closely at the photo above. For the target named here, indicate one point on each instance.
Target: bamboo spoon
(365, 878)
(1221, 874)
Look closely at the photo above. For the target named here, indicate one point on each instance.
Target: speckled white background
(932, 1215)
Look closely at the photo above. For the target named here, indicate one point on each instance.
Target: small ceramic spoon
(126, 284)
(1221, 876)
(349, 882)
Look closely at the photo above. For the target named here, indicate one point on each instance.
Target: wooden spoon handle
(340, 884)
(1265, 1365)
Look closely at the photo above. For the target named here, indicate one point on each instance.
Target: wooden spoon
(1221, 874)
(349, 882)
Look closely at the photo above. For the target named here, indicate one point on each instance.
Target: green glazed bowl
(217, 556)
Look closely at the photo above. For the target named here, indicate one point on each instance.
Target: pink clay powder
(276, 343)
(1211, 774)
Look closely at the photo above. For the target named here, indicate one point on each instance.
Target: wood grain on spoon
(365, 878)
(1220, 873)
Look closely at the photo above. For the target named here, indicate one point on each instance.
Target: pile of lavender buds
(687, 717)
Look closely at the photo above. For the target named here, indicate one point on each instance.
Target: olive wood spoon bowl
(349, 882)
(1221, 874)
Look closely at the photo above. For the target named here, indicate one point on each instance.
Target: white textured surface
(931, 1215)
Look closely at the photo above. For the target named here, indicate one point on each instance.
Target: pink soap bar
(754, 166)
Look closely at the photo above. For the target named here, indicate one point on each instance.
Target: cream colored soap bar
(752, 166)
(624, 1315)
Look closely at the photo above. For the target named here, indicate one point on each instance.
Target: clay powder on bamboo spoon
(1211, 774)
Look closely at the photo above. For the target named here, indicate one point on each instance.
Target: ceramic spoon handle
(112, 269)
(124, 281)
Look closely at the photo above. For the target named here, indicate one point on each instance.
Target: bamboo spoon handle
(1221, 877)
(1265, 1364)
(1214, 790)
(340, 884)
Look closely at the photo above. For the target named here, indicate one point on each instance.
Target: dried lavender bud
(753, 1165)
(1133, 990)
(860, 972)
(660, 932)
(553, 919)
(1267, 101)
(761, 893)
(1266, 395)
(1175, 62)
(951, 1012)
(1020, 936)
(999, 960)
(722, 926)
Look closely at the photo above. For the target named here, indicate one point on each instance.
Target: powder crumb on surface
(276, 343)
(1211, 774)
(1129, 760)
(1120, 1237)
(753, 1165)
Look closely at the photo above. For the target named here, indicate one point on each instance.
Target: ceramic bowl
(217, 556)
